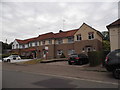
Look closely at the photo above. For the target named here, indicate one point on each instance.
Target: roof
(48, 36)
(45, 36)
(65, 34)
(98, 32)
(51, 35)
(115, 23)
(26, 40)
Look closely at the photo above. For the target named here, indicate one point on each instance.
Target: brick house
(52, 45)
(114, 32)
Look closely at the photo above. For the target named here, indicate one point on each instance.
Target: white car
(11, 57)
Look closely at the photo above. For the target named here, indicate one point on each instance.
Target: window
(30, 44)
(79, 37)
(71, 52)
(49, 41)
(35, 43)
(43, 42)
(59, 52)
(16, 45)
(59, 41)
(70, 39)
(13, 46)
(91, 35)
(23, 46)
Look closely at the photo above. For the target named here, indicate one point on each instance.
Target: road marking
(67, 77)
(74, 78)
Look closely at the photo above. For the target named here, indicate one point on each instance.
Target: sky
(23, 20)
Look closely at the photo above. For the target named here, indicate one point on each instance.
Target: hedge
(97, 57)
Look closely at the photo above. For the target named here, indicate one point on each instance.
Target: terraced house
(53, 45)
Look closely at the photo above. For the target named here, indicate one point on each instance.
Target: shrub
(62, 56)
(95, 58)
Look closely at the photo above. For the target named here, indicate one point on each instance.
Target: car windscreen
(74, 56)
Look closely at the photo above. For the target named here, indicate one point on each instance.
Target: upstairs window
(70, 39)
(49, 41)
(30, 44)
(59, 41)
(16, 45)
(91, 35)
(43, 42)
(23, 46)
(35, 43)
(13, 46)
(79, 37)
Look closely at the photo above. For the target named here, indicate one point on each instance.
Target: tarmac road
(19, 79)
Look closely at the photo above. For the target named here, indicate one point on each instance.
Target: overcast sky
(24, 20)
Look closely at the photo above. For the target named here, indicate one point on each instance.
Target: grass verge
(35, 61)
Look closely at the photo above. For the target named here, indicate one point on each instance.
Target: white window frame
(91, 36)
(79, 37)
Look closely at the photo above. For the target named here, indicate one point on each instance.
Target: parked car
(11, 57)
(112, 63)
(78, 59)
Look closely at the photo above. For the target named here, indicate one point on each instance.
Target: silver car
(11, 57)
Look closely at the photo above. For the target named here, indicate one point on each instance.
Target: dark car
(112, 63)
(78, 59)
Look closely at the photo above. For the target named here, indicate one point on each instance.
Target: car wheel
(8, 60)
(81, 63)
(116, 73)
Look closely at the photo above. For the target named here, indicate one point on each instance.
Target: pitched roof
(65, 34)
(26, 40)
(115, 23)
(48, 36)
(45, 36)
(52, 35)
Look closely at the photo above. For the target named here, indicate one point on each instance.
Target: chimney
(60, 31)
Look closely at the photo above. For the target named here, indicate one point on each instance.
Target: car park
(78, 59)
(112, 63)
(11, 57)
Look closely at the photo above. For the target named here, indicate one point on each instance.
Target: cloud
(29, 19)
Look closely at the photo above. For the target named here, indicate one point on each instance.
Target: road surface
(18, 79)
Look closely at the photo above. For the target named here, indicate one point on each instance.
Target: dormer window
(79, 37)
(91, 35)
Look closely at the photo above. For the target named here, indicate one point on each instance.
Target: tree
(106, 35)
(106, 45)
